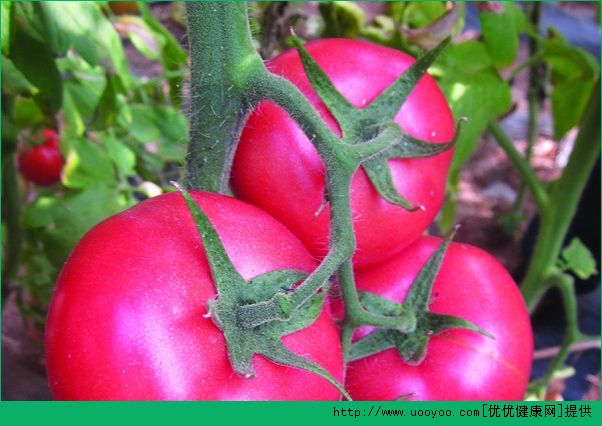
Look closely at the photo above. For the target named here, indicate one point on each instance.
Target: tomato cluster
(43, 164)
(128, 317)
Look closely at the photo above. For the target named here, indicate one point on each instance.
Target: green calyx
(369, 135)
(411, 346)
(370, 138)
(233, 291)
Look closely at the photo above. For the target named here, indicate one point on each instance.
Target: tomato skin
(43, 164)
(126, 321)
(459, 364)
(277, 168)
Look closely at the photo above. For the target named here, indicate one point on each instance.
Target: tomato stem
(565, 283)
(564, 198)
(537, 189)
(222, 61)
(11, 202)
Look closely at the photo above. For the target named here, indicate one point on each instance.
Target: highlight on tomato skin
(127, 320)
(459, 364)
(44, 163)
(277, 168)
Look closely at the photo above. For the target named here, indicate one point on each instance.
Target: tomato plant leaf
(82, 91)
(501, 30)
(577, 258)
(91, 34)
(573, 74)
(342, 19)
(87, 164)
(62, 220)
(6, 26)
(13, 80)
(173, 56)
(41, 73)
(122, 156)
(27, 113)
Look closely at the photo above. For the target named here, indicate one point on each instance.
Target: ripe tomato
(126, 321)
(459, 364)
(277, 168)
(43, 164)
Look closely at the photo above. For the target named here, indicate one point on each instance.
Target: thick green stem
(564, 199)
(537, 189)
(222, 61)
(288, 97)
(536, 93)
(533, 130)
(565, 284)
(11, 211)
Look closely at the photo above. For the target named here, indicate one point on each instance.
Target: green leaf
(573, 73)
(577, 258)
(36, 63)
(87, 164)
(501, 33)
(173, 56)
(6, 27)
(112, 108)
(147, 42)
(421, 14)
(27, 113)
(163, 127)
(91, 34)
(122, 156)
(341, 19)
(83, 88)
(27, 18)
(51, 16)
(68, 217)
(475, 90)
(13, 80)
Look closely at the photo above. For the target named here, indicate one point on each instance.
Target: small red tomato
(459, 364)
(128, 318)
(278, 169)
(50, 135)
(43, 164)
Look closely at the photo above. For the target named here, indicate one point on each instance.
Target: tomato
(459, 364)
(127, 319)
(277, 168)
(43, 164)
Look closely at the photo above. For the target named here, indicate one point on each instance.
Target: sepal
(233, 291)
(412, 346)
